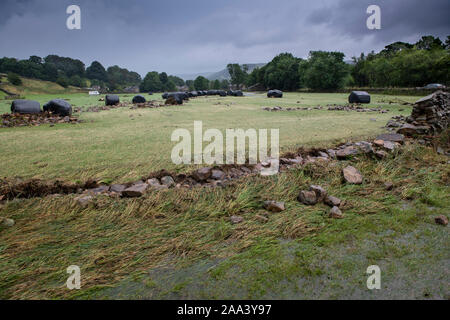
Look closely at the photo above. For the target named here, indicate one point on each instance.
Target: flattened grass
(180, 243)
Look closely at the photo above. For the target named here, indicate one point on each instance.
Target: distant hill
(34, 86)
(219, 75)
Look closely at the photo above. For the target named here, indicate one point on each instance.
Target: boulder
(394, 137)
(136, 190)
(236, 219)
(155, 184)
(275, 94)
(274, 206)
(83, 201)
(139, 99)
(347, 152)
(118, 188)
(336, 213)
(307, 197)
(332, 201)
(412, 130)
(112, 99)
(168, 181)
(359, 97)
(352, 175)
(202, 174)
(25, 106)
(442, 220)
(217, 174)
(6, 222)
(320, 192)
(59, 107)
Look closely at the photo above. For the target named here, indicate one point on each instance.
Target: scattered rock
(118, 188)
(380, 154)
(274, 206)
(136, 190)
(442, 220)
(261, 219)
(154, 183)
(307, 197)
(388, 186)
(332, 201)
(389, 145)
(394, 137)
(347, 152)
(217, 174)
(320, 192)
(6, 222)
(168, 181)
(202, 174)
(336, 213)
(83, 201)
(236, 219)
(352, 175)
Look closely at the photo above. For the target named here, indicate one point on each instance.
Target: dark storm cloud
(205, 35)
(400, 18)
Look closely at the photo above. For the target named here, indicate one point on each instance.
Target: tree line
(67, 71)
(399, 64)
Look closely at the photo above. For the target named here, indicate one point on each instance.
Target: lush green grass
(124, 144)
(180, 243)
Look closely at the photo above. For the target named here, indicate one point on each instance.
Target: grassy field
(123, 144)
(180, 243)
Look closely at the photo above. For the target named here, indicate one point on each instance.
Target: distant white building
(94, 93)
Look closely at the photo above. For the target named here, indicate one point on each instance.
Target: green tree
(237, 74)
(96, 71)
(324, 70)
(177, 81)
(151, 83)
(224, 84)
(215, 84)
(190, 84)
(201, 83)
(14, 79)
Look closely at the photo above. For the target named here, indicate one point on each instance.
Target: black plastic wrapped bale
(179, 96)
(238, 93)
(150, 93)
(222, 93)
(111, 99)
(194, 94)
(174, 99)
(25, 106)
(165, 95)
(59, 107)
(275, 94)
(139, 99)
(359, 97)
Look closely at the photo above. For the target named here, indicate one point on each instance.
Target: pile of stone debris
(9, 120)
(147, 104)
(349, 107)
(430, 115)
(355, 107)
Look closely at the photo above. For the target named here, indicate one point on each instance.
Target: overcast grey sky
(204, 35)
